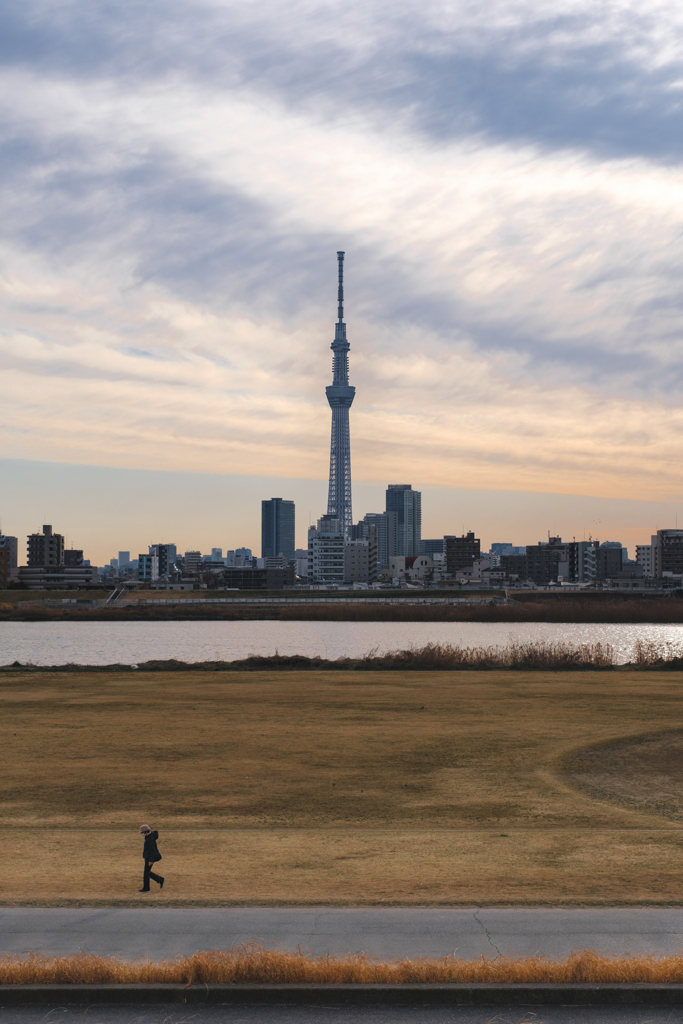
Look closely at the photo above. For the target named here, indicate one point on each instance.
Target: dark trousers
(150, 874)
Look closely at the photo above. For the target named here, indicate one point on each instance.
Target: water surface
(104, 643)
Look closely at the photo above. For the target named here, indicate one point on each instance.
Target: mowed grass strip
(312, 867)
(341, 788)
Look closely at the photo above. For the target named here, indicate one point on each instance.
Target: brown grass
(404, 788)
(251, 964)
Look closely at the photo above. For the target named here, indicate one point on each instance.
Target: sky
(177, 178)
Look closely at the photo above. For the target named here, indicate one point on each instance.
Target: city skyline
(506, 178)
(132, 510)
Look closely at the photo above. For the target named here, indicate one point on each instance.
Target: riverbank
(423, 607)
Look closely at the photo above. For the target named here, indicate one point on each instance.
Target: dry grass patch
(329, 787)
(645, 773)
(251, 964)
(342, 867)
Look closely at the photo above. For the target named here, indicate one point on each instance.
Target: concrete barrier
(344, 995)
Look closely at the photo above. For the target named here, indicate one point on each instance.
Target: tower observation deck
(340, 395)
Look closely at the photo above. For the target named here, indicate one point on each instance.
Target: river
(105, 643)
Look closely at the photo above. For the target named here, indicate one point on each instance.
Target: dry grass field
(340, 787)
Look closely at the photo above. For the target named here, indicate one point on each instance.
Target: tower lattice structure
(340, 395)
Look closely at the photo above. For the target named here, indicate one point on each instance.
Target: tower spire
(340, 396)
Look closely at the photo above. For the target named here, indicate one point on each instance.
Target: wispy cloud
(507, 186)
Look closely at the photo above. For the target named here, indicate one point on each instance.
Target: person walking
(151, 856)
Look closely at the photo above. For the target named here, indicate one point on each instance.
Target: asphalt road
(383, 932)
(355, 1015)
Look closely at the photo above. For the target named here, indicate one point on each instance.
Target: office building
(46, 548)
(340, 396)
(669, 554)
(326, 543)
(273, 562)
(277, 529)
(166, 555)
(431, 546)
(385, 524)
(462, 551)
(407, 504)
(191, 561)
(57, 577)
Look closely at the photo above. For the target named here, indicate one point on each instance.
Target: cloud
(506, 186)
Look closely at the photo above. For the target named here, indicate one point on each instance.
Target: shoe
(161, 883)
(143, 890)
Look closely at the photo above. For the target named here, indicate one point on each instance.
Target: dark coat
(149, 850)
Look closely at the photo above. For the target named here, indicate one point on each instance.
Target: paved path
(384, 932)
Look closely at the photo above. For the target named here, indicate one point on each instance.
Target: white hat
(144, 829)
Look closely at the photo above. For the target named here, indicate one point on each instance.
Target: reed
(431, 657)
(651, 655)
(251, 964)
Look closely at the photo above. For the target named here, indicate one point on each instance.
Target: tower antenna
(340, 396)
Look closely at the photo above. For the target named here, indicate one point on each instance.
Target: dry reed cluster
(532, 656)
(431, 657)
(251, 964)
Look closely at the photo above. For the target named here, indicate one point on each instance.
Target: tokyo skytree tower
(340, 395)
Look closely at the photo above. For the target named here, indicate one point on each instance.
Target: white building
(326, 544)
(647, 555)
(412, 568)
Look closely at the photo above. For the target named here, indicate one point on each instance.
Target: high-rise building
(326, 546)
(123, 559)
(385, 524)
(46, 548)
(407, 504)
(340, 395)
(431, 546)
(216, 554)
(277, 529)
